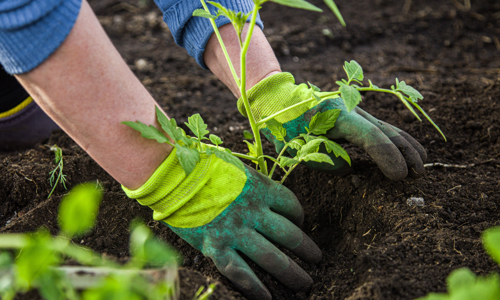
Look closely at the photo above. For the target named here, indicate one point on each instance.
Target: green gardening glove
(396, 153)
(220, 209)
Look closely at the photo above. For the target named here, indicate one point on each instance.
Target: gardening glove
(396, 153)
(221, 209)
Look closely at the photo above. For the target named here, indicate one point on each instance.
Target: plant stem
(243, 91)
(221, 42)
(288, 173)
(261, 122)
(244, 156)
(278, 159)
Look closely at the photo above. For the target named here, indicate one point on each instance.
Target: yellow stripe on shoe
(16, 109)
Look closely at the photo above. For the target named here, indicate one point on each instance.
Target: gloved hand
(396, 153)
(220, 209)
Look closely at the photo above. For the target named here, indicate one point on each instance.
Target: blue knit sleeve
(31, 30)
(192, 33)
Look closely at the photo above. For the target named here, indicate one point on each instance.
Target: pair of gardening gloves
(223, 211)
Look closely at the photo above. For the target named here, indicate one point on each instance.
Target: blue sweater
(31, 30)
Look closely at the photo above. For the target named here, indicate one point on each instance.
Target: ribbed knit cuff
(30, 34)
(168, 189)
(193, 33)
(275, 93)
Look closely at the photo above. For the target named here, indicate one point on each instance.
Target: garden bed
(374, 245)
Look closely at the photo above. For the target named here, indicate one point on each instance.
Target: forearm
(261, 61)
(87, 88)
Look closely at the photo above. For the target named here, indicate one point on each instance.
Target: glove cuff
(275, 93)
(194, 200)
(168, 189)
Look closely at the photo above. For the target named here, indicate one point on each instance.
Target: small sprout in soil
(206, 295)
(57, 175)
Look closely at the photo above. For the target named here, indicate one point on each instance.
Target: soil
(375, 246)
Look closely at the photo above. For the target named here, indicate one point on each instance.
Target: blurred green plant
(33, 260)
(463, 284)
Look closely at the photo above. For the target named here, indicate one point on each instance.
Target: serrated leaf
(313, 87)
(353, 70)
(247, 135)
(252, 149)
(491, 242)
(335, 11)
(310, 147)
(323, 121)
(227, 157)
(197, 126)
(318, 157)
(409, 91)
(276, 129)
(287, 161)
(296, 144)
(215, 140)
(82, 204)
(169, 126)
(351, 96)
(298, 4)
(187, 157)
(149, 132)
(459, 279)
(203, 13)
(331, 146)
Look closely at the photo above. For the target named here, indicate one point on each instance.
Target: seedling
(307, 146)
(38, 257)
(463, 284)
(57, 175)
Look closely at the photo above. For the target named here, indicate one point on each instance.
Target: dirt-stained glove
(221, 209)
(396, 153)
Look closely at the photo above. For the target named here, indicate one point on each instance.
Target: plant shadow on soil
(375, 246)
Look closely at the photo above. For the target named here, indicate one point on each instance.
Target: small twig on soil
(458, 186)
(448, 165)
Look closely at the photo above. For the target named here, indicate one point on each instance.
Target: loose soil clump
(375, 246)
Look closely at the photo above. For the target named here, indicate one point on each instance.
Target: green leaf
(170, 127)
(409, 91)
(459, 279)
(298, 4)
(372, 85)
(197, 126)
(296, 144)
(276, 129)
(79, 208)
(318, 157)
(491, 242)
(323, 121)
(35, 259)
(337, 150)
(287, 161)
(310, 147)
(187, 157)
(146, 248)
(149, 132)
(215, 140)
(227, 157)
(50, 287)
(313, 87)
(247, 135)
(353, 70)
(252, 149)
(351, 96)
(335, 11)
(203, 13)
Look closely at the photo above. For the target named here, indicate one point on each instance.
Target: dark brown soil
(375, 246)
